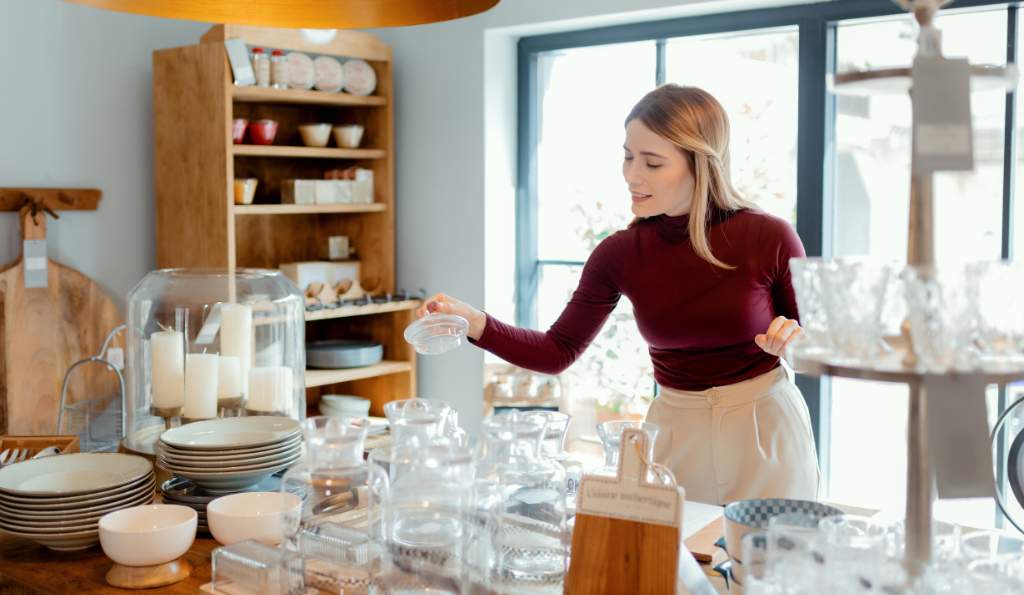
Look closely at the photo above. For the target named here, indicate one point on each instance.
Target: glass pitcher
(552, 447)
(521, 508)
(610, 433)
(426, 521)
(419, 421)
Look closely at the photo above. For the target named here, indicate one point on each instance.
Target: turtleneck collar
(677, 229)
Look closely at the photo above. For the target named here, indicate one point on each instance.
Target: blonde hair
(693, 120)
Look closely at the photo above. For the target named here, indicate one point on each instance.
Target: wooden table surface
(27, 567)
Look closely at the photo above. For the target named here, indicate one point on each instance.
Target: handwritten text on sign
(606, 497)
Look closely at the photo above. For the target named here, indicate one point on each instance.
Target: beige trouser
(751, 439)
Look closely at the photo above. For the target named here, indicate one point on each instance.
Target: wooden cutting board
(42, 332)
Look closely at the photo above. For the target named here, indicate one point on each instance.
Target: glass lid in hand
(437, 333)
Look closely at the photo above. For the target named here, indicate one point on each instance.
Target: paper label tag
(33, 256)
(958, 438)
(629, 495)
(941, 96)
(115, 355)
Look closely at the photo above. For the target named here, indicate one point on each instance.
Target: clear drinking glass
(857, 291)
(853, 549)
(792, 542)
(755, 574)
(552, 447)
(807, 278)
(993, 288)
(610, 433)
(942, 318)
(985, 544)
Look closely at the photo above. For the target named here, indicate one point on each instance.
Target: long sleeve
(553, 351)
(788, 246)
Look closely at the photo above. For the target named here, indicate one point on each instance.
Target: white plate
(49, 524)
(360, 78)
(231, 433)
(327, 74)
(228, 464)
(72, 474)
(76, 508)
(300, 71)
(190, 472)
(63, 542)
(64, 503)
(206, 455)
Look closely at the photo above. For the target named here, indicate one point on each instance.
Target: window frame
(816, 24)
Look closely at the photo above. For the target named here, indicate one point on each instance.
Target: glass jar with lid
(205, 343)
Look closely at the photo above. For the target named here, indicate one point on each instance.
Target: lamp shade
(313, 14)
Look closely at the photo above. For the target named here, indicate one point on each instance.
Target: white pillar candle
(167, 368)
(229, 377)
(201, 385)
(236, 338)
(270, 389)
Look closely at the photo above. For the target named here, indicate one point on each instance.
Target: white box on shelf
(298, 192)
(342, 191)
(325, 192)
(320, 271)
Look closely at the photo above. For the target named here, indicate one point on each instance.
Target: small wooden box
(66, 443)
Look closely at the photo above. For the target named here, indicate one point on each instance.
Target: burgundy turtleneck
(699, 320)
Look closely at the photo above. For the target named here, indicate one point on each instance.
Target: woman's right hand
(445, 304)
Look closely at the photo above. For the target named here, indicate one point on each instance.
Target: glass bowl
(437, 333)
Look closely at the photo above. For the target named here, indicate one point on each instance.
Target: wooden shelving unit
(307, 209)
(198, 224)
(307, 152)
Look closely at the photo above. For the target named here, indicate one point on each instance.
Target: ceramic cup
(148, 535)
(348, 136)
(245, 190)
(315, 135)
(262, 132)
(238, 126)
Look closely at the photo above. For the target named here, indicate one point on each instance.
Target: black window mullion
(528, 135)
(816, 120)
(1009, 160)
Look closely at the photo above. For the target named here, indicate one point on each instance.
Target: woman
(708, 277)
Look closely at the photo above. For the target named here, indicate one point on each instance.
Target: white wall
(455, 135)
(75, 111)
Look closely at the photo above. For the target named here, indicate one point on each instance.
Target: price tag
(941, 95)
(33, 257)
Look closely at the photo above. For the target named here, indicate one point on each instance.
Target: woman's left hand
(780, 334)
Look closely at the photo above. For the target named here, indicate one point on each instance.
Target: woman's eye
(653, 166)
(628, 158)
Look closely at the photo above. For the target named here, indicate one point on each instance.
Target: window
(769, 69)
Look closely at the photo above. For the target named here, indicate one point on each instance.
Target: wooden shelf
(325, 377)
(309, 152)
(269, 95)
(346, 311)
(375, 207)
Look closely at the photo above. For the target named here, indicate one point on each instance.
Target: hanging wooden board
(627, 533)
(43, 330)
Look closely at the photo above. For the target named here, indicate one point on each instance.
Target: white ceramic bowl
(148, 535)
(348, 136)
(344, 405)
(263, 516)
(315, 135)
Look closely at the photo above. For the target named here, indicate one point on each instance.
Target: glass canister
(426, 521)
(521, 506)
(206, 343)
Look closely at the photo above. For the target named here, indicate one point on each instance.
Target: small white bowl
(349, 136)
(263, 516)
(344, 405)
(148, 535)
(315, 135)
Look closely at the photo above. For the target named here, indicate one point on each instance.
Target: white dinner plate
(190, 472)
(212, 463)
(229, 455)
(72, 474)
(77, 508)
(231, 433)
(64, 503)
(33, 522)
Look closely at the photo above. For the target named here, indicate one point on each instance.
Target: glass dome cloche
(206, 343)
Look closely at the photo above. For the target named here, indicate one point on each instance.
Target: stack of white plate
(57, 501)
(227, 455)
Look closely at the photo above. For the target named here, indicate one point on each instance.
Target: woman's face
(657, 173)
